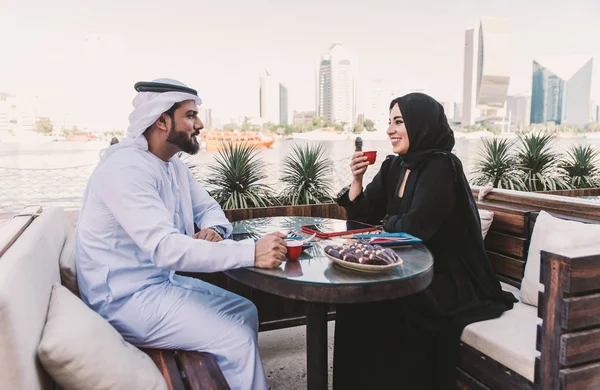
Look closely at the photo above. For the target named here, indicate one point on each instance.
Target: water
(56, 172)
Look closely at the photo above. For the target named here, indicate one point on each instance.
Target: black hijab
(427, 127)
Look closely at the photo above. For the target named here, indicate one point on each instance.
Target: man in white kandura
(136, 228)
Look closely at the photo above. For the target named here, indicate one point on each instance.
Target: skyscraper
(467, 104)
(561, 89)
(283, 105)
(377, 105)
(486, 81)
(518, 109)
(273, 99)
(336, 96)
(457, 111)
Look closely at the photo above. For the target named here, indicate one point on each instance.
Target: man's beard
(180, 138)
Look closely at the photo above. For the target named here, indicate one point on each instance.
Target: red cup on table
(294, 249)
(371, 156)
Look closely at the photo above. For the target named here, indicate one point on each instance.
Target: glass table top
(314, 267)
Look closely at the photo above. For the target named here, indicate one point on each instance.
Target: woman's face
(397, 131)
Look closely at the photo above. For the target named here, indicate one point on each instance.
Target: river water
(56, 172)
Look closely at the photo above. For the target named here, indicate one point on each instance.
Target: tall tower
(487, 70)
(336, 94)
(273, 99)
(468, 105)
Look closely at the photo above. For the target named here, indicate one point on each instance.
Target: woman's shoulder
(390, 159)
(442, 163)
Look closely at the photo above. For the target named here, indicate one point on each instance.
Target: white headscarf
(147, 108)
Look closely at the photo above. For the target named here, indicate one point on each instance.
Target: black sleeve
(370, 205)
(432, 202)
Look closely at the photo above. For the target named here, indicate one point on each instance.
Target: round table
(318, 281)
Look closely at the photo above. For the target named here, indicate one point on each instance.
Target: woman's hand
(358, 165)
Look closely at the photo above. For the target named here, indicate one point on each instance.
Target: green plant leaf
(234, 180)
(306, 174)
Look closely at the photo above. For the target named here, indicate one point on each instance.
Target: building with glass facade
(336, 95)
(561, 90)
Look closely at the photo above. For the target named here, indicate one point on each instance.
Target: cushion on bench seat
(510, 339)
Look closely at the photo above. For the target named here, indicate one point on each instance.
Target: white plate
(364, 267)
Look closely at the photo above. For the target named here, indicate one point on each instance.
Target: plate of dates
(363, 257)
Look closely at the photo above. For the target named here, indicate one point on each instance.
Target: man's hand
(208, 235)
(270, 250)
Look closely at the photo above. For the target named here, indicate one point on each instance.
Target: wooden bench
(187, 370)
(569, 337)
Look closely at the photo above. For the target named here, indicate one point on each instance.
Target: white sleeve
(207, 212)
(129, 189)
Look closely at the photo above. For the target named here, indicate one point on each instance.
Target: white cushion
(68, 271)
(509, 339)
(486, 217)
(82, 351)
(27, 272)
(553, 234)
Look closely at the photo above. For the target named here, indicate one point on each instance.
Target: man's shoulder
(125, 162)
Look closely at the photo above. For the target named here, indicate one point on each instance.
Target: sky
(81, 58)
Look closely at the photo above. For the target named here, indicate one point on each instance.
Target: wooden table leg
(316, 346)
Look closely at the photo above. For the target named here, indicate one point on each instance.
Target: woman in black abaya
(412, 342)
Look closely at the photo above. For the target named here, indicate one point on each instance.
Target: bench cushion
(27, 272)
(68, 271)
(509, 339)
(82, 351)
(553, 234)
(486, 217)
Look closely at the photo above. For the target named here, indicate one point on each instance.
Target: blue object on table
(387, 239)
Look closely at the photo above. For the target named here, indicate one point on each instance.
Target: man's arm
(129, 190)
(207, 212)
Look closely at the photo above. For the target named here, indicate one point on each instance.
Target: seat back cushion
(82, 351)
(28, 270)
(486, 217)
(552, 234)
(68, 272)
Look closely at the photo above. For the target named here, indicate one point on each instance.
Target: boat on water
(215, 140)
(80, 137)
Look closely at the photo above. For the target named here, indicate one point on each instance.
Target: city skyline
(86, 68)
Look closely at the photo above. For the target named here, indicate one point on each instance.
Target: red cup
(294, 249)
(371, 156)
